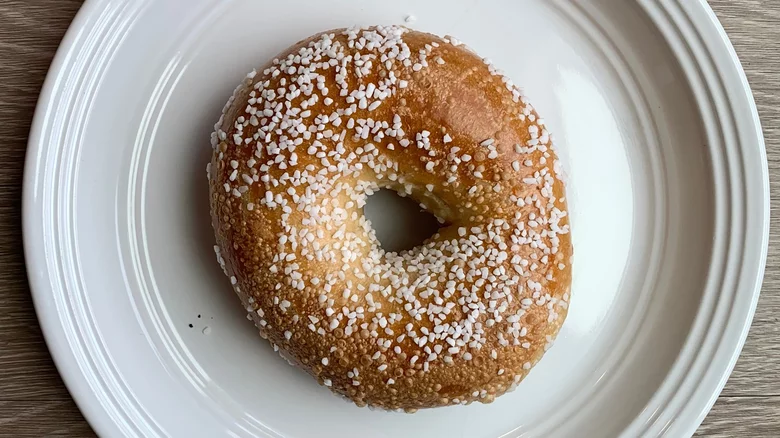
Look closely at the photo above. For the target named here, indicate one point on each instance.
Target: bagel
(301, 145)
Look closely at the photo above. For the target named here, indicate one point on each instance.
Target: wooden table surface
(33, 400)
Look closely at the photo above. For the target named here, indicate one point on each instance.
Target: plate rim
(726, 60)
(62, 355)
(41, 284)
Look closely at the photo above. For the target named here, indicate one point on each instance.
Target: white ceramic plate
(668, 191)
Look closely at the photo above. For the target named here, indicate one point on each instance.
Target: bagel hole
(399, 222)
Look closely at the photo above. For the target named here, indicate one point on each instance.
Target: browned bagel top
(303, 143)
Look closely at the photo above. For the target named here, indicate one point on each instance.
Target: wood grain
(42, 417)
(35, 403)
(743, 417)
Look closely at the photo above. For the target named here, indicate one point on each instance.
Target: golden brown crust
(463, 317)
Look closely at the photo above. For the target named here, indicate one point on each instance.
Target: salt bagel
(308, 137)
